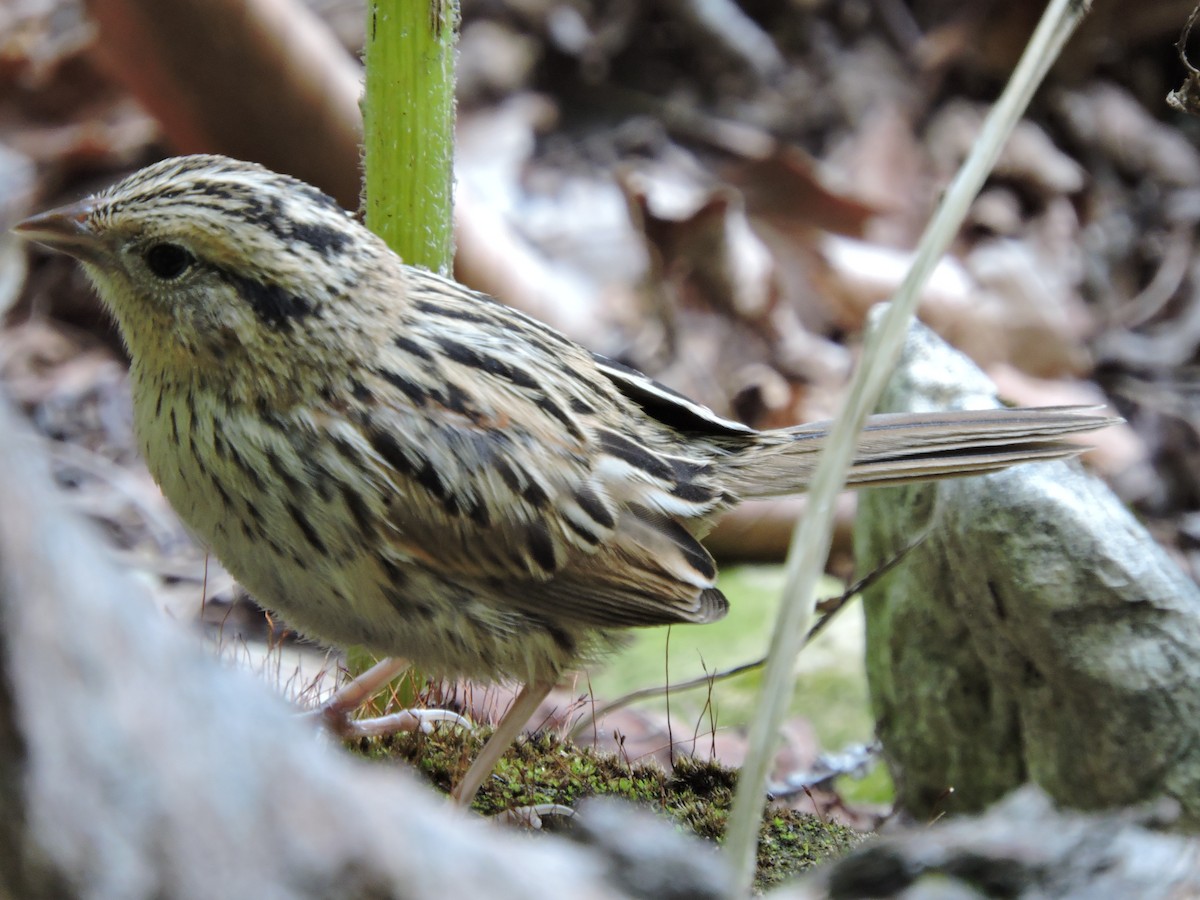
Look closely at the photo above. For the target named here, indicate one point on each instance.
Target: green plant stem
(408, 128)
(810, 541)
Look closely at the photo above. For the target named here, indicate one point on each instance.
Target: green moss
(548, 769)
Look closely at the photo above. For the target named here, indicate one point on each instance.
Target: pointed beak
(65, 229)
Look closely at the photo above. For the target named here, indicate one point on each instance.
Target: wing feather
(491, 452)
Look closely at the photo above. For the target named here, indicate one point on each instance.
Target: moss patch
(548, 769)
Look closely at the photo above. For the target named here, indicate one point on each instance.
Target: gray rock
(1024, 849)
(648, 858)
(1036, 634)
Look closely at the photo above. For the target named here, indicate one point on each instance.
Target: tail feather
(900, 448)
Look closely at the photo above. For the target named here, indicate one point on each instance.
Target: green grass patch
(831, 679)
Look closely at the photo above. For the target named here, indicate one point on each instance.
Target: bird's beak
(65, 229)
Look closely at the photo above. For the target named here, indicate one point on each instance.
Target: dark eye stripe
(271, 304)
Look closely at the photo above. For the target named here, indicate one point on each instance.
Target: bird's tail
(905, 447)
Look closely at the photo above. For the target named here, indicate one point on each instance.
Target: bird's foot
(421, 720)
(334, 714)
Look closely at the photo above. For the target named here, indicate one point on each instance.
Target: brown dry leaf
(786, 192)
(710, 258)
(1042, 322)
(988, 38)
(855, 275)
(59, 108)
(884, 165)
(714, 304)
(552, 246)
(493, 258)
(1002, 305)
(1029, 157)
(1109, 119)
(104, 135)
(39, 37)
(32, 353)
(69, 382)
(729, 307)
(981, 37)
(997, 210)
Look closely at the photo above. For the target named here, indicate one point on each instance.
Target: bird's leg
(510, 725)
(335, 713)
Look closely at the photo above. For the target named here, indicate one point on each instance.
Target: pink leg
(518, 715)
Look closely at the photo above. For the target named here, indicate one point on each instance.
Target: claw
(421, 720)
(531, 816)
(334, 715)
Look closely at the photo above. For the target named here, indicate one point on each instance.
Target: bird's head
(201, 258)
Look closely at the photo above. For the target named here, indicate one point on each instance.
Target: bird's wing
(497, 445)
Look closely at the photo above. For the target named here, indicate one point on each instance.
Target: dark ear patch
(271, 304)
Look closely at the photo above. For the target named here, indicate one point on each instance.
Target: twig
(1186, 98)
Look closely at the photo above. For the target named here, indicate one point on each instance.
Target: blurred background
(712, 191)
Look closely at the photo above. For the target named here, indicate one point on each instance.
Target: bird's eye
(168, 261)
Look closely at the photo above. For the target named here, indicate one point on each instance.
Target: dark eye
(168, 261)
